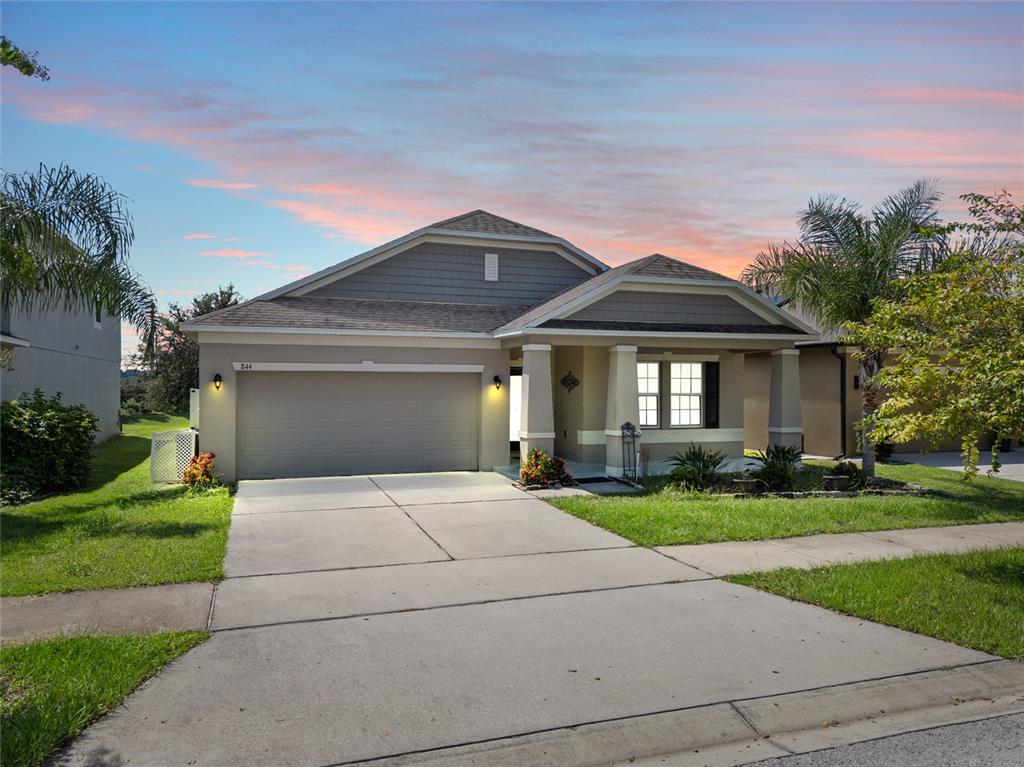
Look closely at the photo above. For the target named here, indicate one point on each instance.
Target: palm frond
(64, 241)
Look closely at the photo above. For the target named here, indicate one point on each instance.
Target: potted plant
(845, 475)
(747, 483)
(836, 481)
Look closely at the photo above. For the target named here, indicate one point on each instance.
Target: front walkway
(378, 618)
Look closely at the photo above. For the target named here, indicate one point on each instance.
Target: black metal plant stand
(630, 454)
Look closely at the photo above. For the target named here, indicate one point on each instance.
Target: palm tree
(844, 259)
(64, 240)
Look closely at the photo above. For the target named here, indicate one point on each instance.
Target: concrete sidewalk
(302, 592)
(734, 557)
(142, 610)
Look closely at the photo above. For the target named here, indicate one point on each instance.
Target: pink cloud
(713, 194)
(213, 183)
(199, 236)
(296, 268)
(233, 253)
(947, 95)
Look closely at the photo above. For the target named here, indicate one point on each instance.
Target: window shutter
(711, 377)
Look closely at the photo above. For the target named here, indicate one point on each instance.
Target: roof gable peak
(485, 222)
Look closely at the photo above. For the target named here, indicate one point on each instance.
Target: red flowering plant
(544, 470)
(200, 473)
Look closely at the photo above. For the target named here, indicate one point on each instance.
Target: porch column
(537, 419)
(784, 426)
(621, 404)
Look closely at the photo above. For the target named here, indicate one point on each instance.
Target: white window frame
(673, 394)
(643, 391)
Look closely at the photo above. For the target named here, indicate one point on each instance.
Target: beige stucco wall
(580, 415)
(819, 403)
(218, 408)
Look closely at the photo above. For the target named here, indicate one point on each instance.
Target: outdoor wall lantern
(497, 382)
(569, 381)
(218, 379)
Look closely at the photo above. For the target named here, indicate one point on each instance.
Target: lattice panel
(170, 454)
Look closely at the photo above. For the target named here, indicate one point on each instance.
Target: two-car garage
(302, 423)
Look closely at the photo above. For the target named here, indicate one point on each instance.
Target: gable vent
(491, 267)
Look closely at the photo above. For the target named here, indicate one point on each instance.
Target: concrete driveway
(369, 618)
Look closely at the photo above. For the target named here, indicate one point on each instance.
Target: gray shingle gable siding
(455, 273)
(642, 306)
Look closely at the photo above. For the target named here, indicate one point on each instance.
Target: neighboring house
(76, 354)
(416, 355)
(830, 398)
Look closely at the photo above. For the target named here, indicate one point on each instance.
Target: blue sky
(293, 135)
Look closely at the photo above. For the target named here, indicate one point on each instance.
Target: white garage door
(323, 424)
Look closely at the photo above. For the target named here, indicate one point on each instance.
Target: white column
(621, 404)
(784, 427)
(537, 419)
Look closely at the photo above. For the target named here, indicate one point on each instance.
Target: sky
(259, 142)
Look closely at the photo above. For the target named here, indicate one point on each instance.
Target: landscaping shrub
(45, 446)
(779, 467)
(883, 452)
(200, 472)
(696, 468)
(851, 470)
(543, 469)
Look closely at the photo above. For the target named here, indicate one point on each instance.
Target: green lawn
(974, 599)
(665, 517)
(120, 530)
(50, 690)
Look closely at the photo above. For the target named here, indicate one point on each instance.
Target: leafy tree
(64, 241)
(956, 369)
(846, 259)
(24, 61)
(173, 363)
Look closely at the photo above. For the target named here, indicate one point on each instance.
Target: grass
(120, 530)
(974, 599)
(50, 690)
(662, 517)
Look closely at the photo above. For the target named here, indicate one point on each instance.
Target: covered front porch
(570, 397)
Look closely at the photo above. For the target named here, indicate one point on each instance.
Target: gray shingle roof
(488, 223)
(363, 314)
(655, 265)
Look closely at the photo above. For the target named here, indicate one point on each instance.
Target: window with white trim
(647, 386)
(685, 393)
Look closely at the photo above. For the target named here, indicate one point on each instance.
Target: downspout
(842, 398)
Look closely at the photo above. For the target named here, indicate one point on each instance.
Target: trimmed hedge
(45, 446)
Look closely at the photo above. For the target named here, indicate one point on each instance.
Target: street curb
(740, 732)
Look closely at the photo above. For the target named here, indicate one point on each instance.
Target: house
(74, 353)
(473, 339)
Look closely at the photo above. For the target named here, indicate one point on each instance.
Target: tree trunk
(869, 366)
